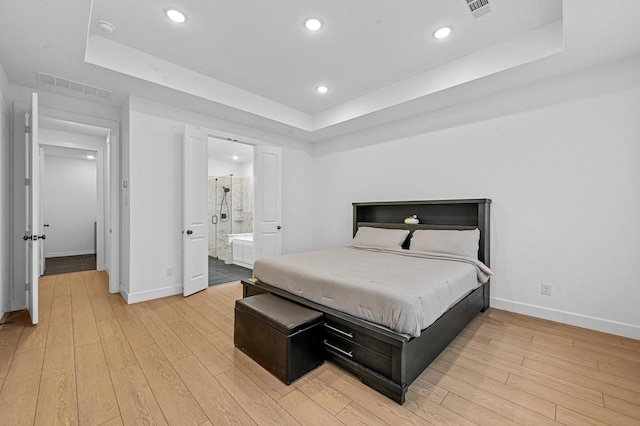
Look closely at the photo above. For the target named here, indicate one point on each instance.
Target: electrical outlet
(545, 289)
(170, 271)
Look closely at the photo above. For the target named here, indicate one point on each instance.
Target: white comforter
(403, 290)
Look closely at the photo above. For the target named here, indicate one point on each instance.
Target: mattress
(403, 290)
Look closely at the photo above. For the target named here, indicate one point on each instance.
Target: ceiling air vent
(73, 85)
(478, 8)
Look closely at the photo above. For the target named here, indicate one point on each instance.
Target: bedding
(380, 237)
(456, 242)
(403, 290)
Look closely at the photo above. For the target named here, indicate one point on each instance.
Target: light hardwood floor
(95, 360)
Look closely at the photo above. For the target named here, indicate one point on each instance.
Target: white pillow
(380, 237)
(460, 243)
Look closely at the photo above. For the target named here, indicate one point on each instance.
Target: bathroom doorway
(230, 209)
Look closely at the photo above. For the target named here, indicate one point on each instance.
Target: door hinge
(27, 129)
(26, 286)
(27, 181)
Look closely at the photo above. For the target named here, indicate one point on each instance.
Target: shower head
(226, 189)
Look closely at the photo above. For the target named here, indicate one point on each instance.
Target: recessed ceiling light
(235, 157)
(443, 32)
(322, 89)
(175, 15)
(313, 24)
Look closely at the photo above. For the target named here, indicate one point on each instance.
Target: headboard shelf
(433, 214)
(410, 226)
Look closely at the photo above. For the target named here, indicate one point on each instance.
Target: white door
(32, 208)
(267, 236)
(41, 178)
(195, 236)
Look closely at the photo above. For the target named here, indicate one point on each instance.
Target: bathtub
(242, 237)
(241, 249)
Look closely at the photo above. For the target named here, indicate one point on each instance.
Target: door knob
(279, 227)
(189, 232)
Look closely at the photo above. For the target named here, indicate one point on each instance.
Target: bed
(385, 359)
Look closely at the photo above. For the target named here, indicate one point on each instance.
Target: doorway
(264, 207)
(75, 196)
(69, 203)
(230, 184)
(29, 119)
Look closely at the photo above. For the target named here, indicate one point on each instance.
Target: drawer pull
(344, 333)
(349, 354)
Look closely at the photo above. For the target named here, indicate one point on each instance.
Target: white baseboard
(69, 253)
(156, 293)
(585, 321)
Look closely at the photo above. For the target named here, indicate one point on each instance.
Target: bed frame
(384, 360)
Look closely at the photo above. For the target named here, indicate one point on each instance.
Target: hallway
(68, 264)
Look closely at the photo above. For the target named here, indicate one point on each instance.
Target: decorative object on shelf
(412, 220)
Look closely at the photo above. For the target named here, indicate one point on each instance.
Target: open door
(41, 226)
(267, 238)
(32, 208)
(195, 236)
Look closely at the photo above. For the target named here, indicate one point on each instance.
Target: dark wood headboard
(433, 214)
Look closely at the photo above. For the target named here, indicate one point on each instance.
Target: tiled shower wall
(240, 213)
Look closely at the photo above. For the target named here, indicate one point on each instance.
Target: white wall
(566, 202)
(223, 168)
(125, 207)
(70, 205)
(246, 169)
(5, 200)
(155, 197)
(297, 183)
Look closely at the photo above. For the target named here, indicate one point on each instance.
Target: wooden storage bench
(282, 336)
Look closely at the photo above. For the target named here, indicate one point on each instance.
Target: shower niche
(231, 219)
